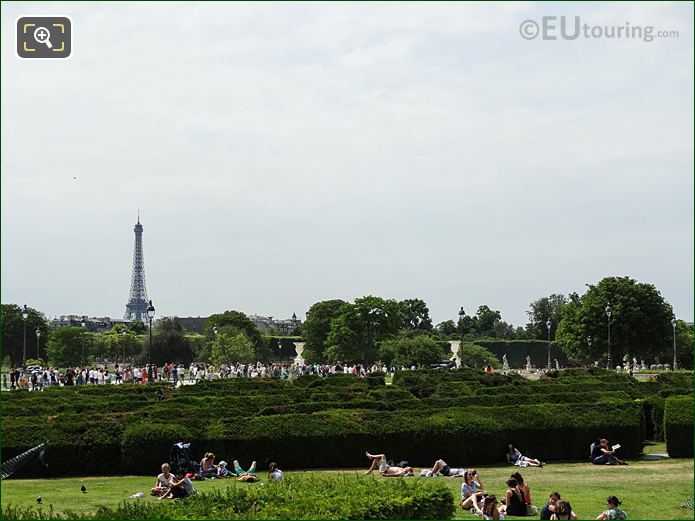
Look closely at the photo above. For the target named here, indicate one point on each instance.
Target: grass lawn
(648, 489)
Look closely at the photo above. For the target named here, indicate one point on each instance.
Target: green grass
(648, 489)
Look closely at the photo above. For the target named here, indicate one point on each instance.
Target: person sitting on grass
(379, 462)
(471, 492)
(208, 469)
(613, 512)
(223, 471)
(551, 506)
(274, 473)
(515, 457)
(163, 482)
(181, 486)
(563, 511)
(532, 510)
(515, 504)
(603, 454)
(490, 510)
(443, 468)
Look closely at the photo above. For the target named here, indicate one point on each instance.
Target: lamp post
(124, 333)
(588, 342)
(280, 349)
(675, 360)
(84, 324)
(609, 312)
(25, 315)
(150, 316)
(38, 342)
(548, 324)
(462, 314)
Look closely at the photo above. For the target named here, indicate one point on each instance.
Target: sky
(286, 153)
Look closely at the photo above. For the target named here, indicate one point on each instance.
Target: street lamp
(588, 342)
(609, 312)
(38, 342)
(462, 314)
(150, 316)
(124, 333)
(675, 361)
(84, 324)
(25, 315)
(548, 324)
(280, 348)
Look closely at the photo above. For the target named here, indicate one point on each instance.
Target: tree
(13, 333)
(235, 349)
(640, 321)
(138, 328)
(69, 347)
(317, 325)
(684, 344)
(359, 327)
(485, 320)
(540, 311)
(415, 314)
(500, 329)
(446, 328)
(234, 322)
(473, 355)
(169, 344)
(420, 351)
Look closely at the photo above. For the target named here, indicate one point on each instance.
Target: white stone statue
(528, 363)
(299, 349)
(557, 365)
(505, 364)
(635, 364)
(455, 346)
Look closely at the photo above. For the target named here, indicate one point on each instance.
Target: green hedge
(678, 426)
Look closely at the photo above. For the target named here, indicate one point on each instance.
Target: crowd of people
(35, 378)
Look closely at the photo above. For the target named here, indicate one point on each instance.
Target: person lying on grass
(163, 482)
(379, 462)
(515, 457)
(181, 486)
(245, 475)
(443, 468)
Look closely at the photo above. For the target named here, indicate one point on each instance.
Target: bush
(678, 426)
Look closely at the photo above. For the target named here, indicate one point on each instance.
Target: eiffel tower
(136, 308)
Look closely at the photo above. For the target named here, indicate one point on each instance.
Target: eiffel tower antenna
(136, 308)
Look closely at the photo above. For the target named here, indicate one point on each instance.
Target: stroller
(180, 458)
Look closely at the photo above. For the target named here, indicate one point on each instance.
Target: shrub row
(336, 438)
(305, 497)
(678, 426)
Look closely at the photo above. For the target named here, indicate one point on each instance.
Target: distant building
(284, 326)
(92, 324)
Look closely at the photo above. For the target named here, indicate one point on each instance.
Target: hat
(222, 464)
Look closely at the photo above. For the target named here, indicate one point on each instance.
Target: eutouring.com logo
(572, 28)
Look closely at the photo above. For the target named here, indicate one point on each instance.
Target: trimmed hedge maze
(463, 416)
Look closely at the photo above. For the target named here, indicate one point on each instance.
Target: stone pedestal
(299, 349)
(455, 346)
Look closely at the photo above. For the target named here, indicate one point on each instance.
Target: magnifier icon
(43, 35)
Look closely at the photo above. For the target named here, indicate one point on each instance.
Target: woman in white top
(471, 492)
(274, 473)
(163, 482)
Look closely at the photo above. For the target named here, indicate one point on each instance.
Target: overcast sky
(282, 154)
